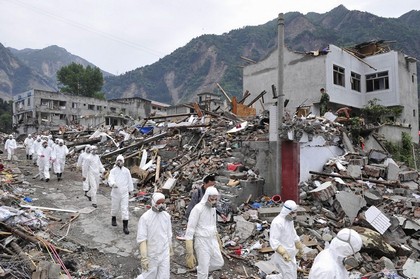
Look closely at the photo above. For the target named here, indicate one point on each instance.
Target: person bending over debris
(82, 157)
(285, 242)
(197, 195)
(28, 142)
(154, 236)
(10, 146)
(330, 263)
(59, 158)
(44, 160)
(92, 168)
(122, 185)
(202, 236)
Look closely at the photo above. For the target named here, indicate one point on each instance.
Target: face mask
(291, 216)
(119, 163)
(159, 207)
(351, 262)
(211, 203)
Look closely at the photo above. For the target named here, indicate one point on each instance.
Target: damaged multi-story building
(40, 110)
(351, 76)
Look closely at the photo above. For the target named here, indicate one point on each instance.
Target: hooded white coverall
(282, 232)
(35, 147)
(10, 147)
(203, 230)
(329, 263)
(92, 168)
(44, 160)
(155, 227)
(28, 142)
(59, 157)
(122, 184)
(80, 161)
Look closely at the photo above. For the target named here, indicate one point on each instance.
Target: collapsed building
(339, 181)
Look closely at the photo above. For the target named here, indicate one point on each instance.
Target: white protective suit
(59, 156)
(92, 168)
(203, 230)
(282, 232)
(35, 147)
(28, 142)
(44, 160)
(10, 146)
(329, 263)
(155, 227)
(80, 160)
(122, 184)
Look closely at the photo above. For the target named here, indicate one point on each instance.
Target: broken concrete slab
(244, 229)
(350, 203)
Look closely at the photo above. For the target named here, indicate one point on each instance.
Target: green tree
(5, 116)
(81, 81)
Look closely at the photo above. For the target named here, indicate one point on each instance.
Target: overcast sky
(121, 35)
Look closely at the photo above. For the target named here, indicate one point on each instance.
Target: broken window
(91, 107)
(113, 109)
(355, 81)
(29, 102)
(377, 81)
(338, 75)
(99, 108)
(74, 105)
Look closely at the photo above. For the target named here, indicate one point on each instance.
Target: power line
(89, 28)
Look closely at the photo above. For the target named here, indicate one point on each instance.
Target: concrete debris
(340, 184)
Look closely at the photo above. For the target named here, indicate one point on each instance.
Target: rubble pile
(369, 192)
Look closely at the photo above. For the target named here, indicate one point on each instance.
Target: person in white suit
(285, 241)
(202, 236)
(10, 146)
(122, 185)
(59, 158)
(92, 170)
(154, 236)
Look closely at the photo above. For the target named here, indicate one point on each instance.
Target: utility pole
(280, 108)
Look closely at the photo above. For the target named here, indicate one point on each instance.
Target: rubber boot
(58, 176)
(125, 227)
(114, 221)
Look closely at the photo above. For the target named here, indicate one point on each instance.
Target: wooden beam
(148, 140)
(224, 93)
(246, 95)
(256, 98)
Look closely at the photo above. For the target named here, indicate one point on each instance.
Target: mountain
(49, 60)
(210, 59)
(21, 70)
(16, 76)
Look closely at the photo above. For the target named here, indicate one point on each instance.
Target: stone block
(268, 213)
(168, 186)
(374, 171)
(408, 175)
(354, 171)
(357, 162)
(324, 191)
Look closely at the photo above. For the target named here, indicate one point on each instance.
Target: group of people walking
(202, 241)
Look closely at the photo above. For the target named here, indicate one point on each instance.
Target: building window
(74, 105)
(99, 108)
(377, 81)
(123, 110)
(29, 102)
(113, 109)
(91, 107)
(414, 113)
(338, 76)
(355, 82)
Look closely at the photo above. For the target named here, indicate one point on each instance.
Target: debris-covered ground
(51, 228)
